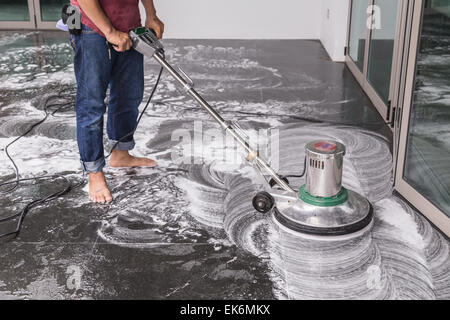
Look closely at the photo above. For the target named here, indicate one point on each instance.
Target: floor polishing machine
(321, 207)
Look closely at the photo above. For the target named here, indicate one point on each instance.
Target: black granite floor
(187, 230)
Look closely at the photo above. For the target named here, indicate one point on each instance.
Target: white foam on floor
(393, 213)
(38, 154)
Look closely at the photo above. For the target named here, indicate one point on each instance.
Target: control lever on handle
(112, 45)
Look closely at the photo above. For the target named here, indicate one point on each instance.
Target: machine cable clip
(189, 82)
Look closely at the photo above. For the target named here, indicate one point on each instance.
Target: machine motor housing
(324, 164)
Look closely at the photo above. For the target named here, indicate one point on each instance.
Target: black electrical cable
(272, 182)
(47, 106)
(297, 176)
(15, 183)
(68, 185)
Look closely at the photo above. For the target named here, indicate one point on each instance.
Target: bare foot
(121, 159)
(98, 190)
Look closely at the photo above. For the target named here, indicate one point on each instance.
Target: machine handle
(254, 157)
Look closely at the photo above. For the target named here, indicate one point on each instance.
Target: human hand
(119, 40)
(153, 22)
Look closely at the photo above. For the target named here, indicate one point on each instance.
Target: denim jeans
(96, 68)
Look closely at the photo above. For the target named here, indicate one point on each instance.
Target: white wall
(333, 34)
(257, 19)
(240, 19)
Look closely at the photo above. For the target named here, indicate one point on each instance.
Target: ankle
(94, 175)
(116, 153)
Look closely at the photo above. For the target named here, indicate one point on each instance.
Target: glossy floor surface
(187, 229)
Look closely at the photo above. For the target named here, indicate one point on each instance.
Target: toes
(148, 162)
(97, 198)
(102, 198)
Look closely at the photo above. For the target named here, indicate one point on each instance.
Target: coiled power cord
(50, 109)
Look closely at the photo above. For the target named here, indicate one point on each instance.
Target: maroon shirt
(123, 14)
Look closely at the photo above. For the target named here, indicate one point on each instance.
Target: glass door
(423, 163)
(381, 46)
(358, 33)
(17, 14)
(374, 30)
(30, 14)
(48, 12)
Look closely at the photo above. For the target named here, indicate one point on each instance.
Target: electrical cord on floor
(68, 185)
(15, 183)
(47, 107)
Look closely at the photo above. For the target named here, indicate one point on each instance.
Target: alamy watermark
(373, 277)
(73, 17)
(374, 19)
(74, 274)
(197, 145)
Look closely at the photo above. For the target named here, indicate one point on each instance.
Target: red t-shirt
(123, 14)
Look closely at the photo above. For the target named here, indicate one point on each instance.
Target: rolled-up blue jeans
(96, 67)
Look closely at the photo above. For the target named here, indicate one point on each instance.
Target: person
(104, 57)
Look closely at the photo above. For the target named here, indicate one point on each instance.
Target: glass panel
(358, 32)
(51, 9)
(14, 10)
(427, 166)
(382, 47)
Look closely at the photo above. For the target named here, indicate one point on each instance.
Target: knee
(92, 123)
(95, 123)
(90, 118)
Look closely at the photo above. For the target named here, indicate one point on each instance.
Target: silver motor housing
(324, 162)
(324, 167)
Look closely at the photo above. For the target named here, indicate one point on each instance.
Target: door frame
(35, 22)
(385, 110)
(43, 25)
(425, 206)
(30, 24)
(359, 76)
(400, 80)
